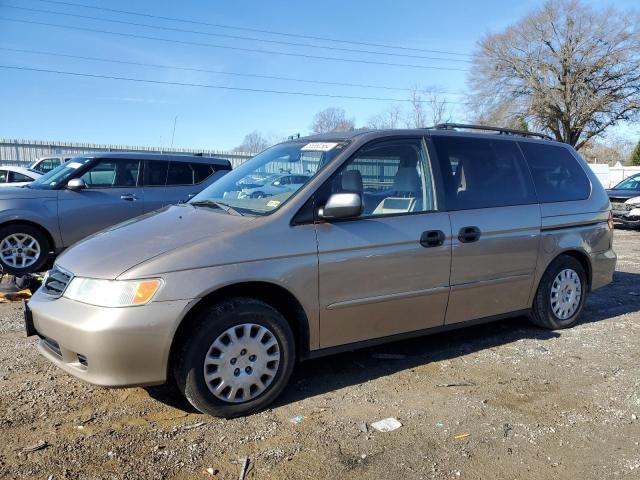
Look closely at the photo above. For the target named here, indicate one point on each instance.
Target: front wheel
(236, 358)
(23, 249)
(561, 294)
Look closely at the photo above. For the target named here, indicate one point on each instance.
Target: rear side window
(557, 175)
(18, 177)
(483, 173)
(155, 173)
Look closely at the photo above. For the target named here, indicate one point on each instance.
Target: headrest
(406, 180)
(352, 181)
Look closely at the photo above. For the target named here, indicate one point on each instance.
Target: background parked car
(46, 164)
(17, 176)
(90, 193)
(627, 213)
(626, 189)
(273, 185)
(619, 197)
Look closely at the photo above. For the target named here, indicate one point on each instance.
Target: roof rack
(501, 131)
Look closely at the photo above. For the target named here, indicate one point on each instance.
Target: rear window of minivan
(557, 175)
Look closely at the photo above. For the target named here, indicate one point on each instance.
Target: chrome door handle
(131, 197)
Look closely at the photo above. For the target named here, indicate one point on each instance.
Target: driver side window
(112, 173)
(392, 177)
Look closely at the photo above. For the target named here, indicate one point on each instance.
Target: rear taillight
(610, 220)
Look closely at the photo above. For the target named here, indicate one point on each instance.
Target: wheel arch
(272, 294)
(580, 255)
(584, 260)
(44, 230)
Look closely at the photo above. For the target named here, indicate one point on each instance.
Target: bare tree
(566, 68)
(611, 149)
(417, 117)
(332, 119)
(428, 107)
(253, 142)
(390, 118)
(438, 107)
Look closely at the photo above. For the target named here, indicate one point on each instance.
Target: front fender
(42, 212)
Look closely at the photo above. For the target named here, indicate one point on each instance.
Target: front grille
(56, 282)
(623, 207)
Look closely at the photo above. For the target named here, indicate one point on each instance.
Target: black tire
(207, 325)
(34, 232)
(543, 313)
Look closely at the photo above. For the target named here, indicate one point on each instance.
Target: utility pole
(175, 119)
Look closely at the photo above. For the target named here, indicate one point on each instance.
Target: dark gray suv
(92, 192)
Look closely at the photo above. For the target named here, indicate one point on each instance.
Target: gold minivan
(360, 238)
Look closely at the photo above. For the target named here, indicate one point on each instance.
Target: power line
(238, 37)
(242, 49)
(248, 29)
(203, 85)
(204, 70)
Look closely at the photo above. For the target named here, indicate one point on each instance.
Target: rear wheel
(561, 294)
(236, 358)
(23, 249)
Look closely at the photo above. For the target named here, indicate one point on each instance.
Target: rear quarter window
(557, 174)
(201, 171)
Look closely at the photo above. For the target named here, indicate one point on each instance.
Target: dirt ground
(532, 404)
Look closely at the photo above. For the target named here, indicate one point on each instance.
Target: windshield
(265, 182)
(59, 175)
(631, 183)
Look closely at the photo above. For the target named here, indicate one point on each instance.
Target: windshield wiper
(215, 204)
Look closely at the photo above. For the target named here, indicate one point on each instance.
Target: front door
(112, 196)
(495, 225)
(387, 271)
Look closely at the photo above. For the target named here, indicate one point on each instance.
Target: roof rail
(501, 131)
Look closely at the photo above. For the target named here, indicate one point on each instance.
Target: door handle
(432, 238)
(130, 197)
(469, 234)
(191, 195)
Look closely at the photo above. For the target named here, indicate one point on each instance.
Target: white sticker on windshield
(73, 165)
(319, 146)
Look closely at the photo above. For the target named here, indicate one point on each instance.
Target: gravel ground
(529, 404)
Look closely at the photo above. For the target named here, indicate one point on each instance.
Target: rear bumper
(603, 265)
(113, 347)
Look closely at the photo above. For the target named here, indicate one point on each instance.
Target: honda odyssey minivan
(393, 234)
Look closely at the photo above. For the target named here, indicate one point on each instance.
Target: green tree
(635, 156)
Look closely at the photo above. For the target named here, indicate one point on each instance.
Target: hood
(622, 194)
(111, 252)
(14, 193)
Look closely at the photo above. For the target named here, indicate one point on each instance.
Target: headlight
(112, 293)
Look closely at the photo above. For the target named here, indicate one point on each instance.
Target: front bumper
(626, 219)
(112, 347)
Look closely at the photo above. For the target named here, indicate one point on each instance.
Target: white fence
(611, 176)
(23, 152)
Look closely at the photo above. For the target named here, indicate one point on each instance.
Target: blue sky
(55, 107)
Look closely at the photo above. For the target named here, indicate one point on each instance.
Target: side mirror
(342, 205)
(76, 184)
